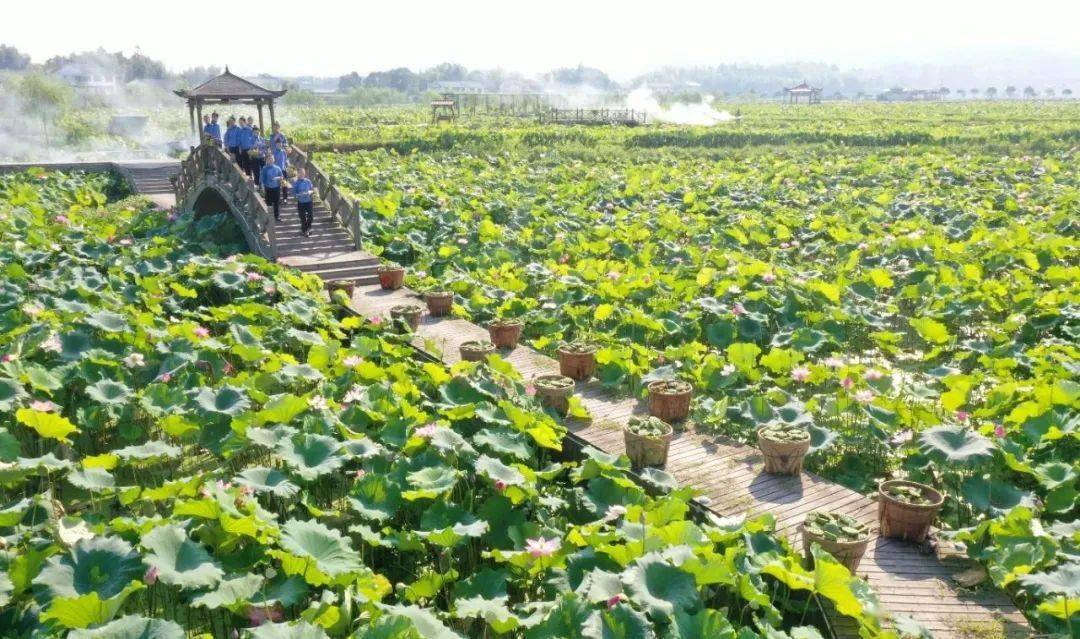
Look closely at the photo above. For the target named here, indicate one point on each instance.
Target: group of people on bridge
(265, 161)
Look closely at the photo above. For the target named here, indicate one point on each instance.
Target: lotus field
(904, 287)
(196, 442)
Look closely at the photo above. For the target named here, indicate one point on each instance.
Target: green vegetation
(901, 281)
(196, 442)
(835, 526)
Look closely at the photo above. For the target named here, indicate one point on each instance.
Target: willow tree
(43, 96)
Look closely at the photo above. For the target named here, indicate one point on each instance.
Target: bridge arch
(209, 182)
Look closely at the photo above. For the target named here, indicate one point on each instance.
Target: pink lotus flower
(847, 383)
(376, 320)
(247, 490)
(223, 485)
(353, 361)
(151, 575)
(962, 415)
(500, 485)
(173, 217)
(228, 368)
(563, 259)
(134, 360)
(728, 369)
(355, 394)
(43, 406)
(541, 547)
(270, 289)
(999, 431)
(873, 375)
(165, 377)
(252, 276)
(530, 390)
(613, 512)
(864, 396)
(784, 245)
(260, 615)
(317, 402)
(427, 431)
(360, 473)
(612, 275)
(125, 242)
(800, 374)
(616, 600)
(201, 332)
(33, 310)
(737, 309)
(52, 344)
(863, 246)
(8, 357)
(768, 278)
(61, 219)
(834, 362)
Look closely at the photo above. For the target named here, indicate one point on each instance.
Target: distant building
(457, 86)
(90, 78)
(803, 92)
(897, 94)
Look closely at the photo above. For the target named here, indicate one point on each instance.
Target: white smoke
(81, 132)
(701, 113)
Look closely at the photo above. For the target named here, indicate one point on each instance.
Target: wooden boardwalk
(729, 477)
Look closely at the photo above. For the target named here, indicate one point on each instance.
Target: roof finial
(226, 68)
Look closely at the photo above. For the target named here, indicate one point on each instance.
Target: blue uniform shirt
(281, 159)
(262, 146)
(213, 130)
(271, 175)
(247, 138)
(303, 189)
(230, 136)
(279, 140)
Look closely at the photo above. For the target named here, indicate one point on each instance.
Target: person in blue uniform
(213, 129)
(231, 141)
(258, 156)
(271, 176)
(281, 159)
(305, 206)
(247, 141)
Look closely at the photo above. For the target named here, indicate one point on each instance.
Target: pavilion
(804, 90)
(228, 89)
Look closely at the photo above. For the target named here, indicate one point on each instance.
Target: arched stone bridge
(210, 182)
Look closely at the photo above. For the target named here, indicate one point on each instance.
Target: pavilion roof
(802, 88)
(228, 86)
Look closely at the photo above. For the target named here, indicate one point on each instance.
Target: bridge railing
(210, 164)
(345, 210)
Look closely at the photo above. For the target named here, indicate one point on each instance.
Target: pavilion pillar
(198, 120)
(273, 120)
(262, 128)
(191, 114)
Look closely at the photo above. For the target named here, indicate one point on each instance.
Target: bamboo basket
(782, 458)
(849, 553)
(505, 335)
(670, 407)
(439, 303)
(647, 451)
(577, 366)
(901, 520)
